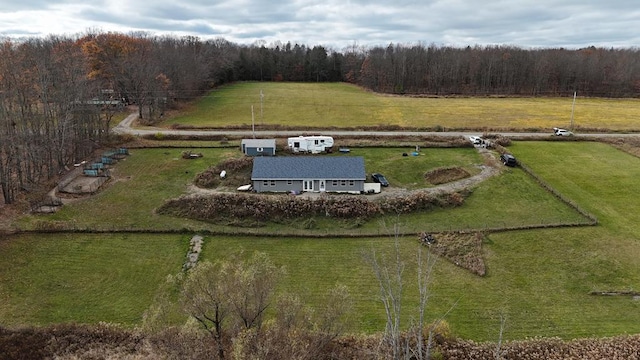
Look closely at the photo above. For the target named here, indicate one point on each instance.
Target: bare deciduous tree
(249, 286)
(297, 331)
(503, 322)
(390, 275)
(204, 299)
(231, 291)
(389, 272)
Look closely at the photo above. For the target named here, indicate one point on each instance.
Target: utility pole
(573, 106)
(261, 114)
(253, 123)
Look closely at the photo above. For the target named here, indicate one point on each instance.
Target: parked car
(475, 140)
(379, 178)
(508, 160)
(562, 132)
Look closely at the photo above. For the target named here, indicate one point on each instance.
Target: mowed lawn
(84, 278)
(538, 279)
(148, 177)
(141, 183)
(341, 105)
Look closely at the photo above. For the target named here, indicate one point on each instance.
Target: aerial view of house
(308, 173)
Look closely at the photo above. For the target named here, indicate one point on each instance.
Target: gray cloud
(339, 23)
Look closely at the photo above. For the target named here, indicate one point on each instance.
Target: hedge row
(105, 341)
(621, 347)
(269, 207)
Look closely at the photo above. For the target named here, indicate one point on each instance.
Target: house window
(316, 142)
(334, 182)
(273, 183)
(289, 182)
(343, 182)
(265, 183)
(351, 182)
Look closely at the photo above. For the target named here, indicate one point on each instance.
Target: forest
(59, 94)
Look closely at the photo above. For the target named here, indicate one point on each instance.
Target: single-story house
(308, 173)
(258, 147)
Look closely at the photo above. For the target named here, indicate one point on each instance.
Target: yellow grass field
(339, 105)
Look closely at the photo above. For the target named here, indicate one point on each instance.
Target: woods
(501, 70)
(58, 95)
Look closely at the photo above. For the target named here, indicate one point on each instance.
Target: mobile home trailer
(313, 144)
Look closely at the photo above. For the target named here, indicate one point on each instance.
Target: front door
(307, 185)
(322, 186)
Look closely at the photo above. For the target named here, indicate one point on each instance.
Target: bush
(210, 178)
(420, 200)
(278, 208)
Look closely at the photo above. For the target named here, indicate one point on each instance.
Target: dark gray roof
(309, 167)
(263, 143)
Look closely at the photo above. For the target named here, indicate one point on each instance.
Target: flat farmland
(339, 105)
(538, 279)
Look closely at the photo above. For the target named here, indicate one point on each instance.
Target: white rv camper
(313, 144)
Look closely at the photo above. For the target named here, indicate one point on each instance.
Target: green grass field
(150, 176)
(538, 279)
(85, 278)
(342, 105)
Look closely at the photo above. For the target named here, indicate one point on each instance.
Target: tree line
(58, 94)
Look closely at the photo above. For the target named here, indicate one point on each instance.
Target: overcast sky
(337, 24)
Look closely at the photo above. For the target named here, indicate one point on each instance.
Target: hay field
(339, 105)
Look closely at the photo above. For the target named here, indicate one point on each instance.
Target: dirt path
(491, 168)
(125, 125)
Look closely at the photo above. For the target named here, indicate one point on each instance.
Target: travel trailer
(312, 144)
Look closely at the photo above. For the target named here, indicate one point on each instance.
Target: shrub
(210, 178)
(277, 208)
(420, 200)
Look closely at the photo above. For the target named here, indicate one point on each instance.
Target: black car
(508, 160)
(379, 178)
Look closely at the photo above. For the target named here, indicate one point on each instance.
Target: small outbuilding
(258, 147)
(298, 174)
